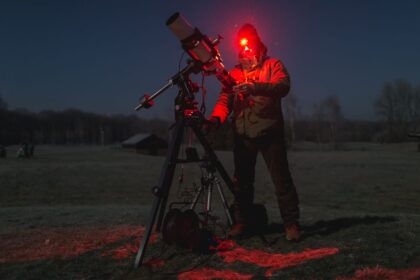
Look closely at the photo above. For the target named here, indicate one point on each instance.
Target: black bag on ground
(182, 228)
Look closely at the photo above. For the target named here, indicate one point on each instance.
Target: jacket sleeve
(279, 83)
(223, 106)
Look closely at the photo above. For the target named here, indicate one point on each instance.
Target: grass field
(79, 212)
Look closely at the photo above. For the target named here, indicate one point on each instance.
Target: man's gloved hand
(245, 88)
(210, 124)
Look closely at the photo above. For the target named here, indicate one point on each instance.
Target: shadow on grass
(325, 228)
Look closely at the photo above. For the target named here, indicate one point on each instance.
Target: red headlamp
(246, 44)
(245, 47)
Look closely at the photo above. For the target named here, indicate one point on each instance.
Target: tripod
(208, 182)
(186, 115)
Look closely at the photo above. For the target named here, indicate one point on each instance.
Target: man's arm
(279, 83)
(223, 106)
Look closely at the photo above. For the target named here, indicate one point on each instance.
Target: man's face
(247, 53)
(247, 47)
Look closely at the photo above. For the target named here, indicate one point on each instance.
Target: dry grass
(76, 213)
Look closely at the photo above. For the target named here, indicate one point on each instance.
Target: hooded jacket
(258, 113)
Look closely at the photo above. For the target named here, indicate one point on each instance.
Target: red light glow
(208, 274)
(244, 42)
(231, 252)
(42, 244)
(154, 263)
(224, 245)
(274, 261)
(384, 273)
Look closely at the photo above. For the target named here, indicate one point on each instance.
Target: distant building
(417, 136)
(3, 152)
(146, 143)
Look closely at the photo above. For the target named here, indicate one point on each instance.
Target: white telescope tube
(183, 30)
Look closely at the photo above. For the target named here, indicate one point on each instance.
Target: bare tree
(415, 109)
(328, 117)
(404, 96)
(3, 104)
(385, 106)
(291, 111)
(319, 119)
(334, 117)
(398, 104)
(3, 121)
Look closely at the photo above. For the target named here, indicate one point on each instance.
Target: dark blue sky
(101, 56)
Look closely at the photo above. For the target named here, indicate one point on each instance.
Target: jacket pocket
(265, 107)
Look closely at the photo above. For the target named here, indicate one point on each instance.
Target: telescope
(179, 227)
(202, 50)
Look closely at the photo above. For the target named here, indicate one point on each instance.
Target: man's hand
(245, 88)
(210, 124)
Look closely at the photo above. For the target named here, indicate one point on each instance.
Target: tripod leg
(161, 213)
(162, 191)
(213, 158)
(171, 161)
(197, 196)
(148, 231)
(224, 202)
(209, 192)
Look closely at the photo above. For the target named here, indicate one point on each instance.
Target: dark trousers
(273, 149)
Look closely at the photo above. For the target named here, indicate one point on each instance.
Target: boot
(236, 231)
(293, 232)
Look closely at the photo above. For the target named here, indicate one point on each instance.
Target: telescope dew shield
(191, 38)
(180, 26)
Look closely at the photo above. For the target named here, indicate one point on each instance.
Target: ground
(79, 213)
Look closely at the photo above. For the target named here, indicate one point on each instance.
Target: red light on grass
(274, 261)
(384, 273)
(45, 244)
(210, 273)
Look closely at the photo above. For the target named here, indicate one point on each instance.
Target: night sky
(101, 56)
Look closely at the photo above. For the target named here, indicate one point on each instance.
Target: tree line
(397, 107)
(72, 127)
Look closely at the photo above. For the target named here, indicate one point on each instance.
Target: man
(258, 127)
